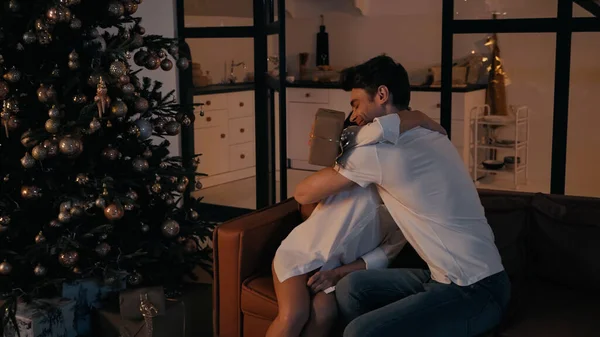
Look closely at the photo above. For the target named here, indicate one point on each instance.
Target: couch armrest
(243, 247)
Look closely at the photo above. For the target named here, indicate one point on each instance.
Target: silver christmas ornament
(145, 228)
(170, 228)
(132, 195)
(40, 270)
(111, 153)
(119, 108)
(5, 268)
(100, 202)
(166, 64)
(75, 23)
(172, 128)
(65, 206)
(116, 9)
(103, 249)
(39, 152)
(140, 164)
(183, 63)
(128, 89)
(181, 188)
(54, 112)
(152, 62)
(194, 215)
(141, 105)
(27, 161)
(144, 127)
(29, 37)
(68, 258)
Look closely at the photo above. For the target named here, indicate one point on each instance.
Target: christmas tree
(88, 187)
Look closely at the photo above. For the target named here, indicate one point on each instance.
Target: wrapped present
(325, 137)
(44, 318)
(87, 294)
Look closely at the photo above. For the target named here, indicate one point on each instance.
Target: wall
(158, 17)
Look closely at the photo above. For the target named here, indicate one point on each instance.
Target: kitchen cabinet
(303, 104)
(224, 137)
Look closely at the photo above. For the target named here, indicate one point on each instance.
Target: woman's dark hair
(380, 70)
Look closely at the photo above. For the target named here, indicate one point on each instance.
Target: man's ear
(383, 94)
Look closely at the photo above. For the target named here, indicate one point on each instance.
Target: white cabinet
(224, 137)
(303, 104)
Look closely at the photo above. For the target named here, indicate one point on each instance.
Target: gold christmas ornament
(114, 212)
(40, 238)
(5, 268)
(68, 258)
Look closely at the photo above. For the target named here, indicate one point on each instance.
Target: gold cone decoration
(496, 90)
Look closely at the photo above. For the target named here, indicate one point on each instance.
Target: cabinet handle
(242, 156)
(242, 130)
(439, 105)
(208, 119)
(207, 102)
(307, 95)
(241, 104)
(222, 135)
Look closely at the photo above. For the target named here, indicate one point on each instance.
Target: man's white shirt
(430, 195)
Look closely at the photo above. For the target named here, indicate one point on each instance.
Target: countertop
(223, 88)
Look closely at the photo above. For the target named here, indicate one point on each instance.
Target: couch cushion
(508, 216)
(564, 241)
(552, 311)
(258, 297)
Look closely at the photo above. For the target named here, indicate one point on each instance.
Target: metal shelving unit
(563, 26)
(484, 140)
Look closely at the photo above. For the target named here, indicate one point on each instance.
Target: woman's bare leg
(323, 315)
(293, 299)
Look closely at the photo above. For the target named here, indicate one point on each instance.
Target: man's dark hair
(380, 70)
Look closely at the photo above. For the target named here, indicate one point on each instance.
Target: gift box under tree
(88, 295)
(44, 318)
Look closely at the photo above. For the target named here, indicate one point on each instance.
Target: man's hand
(322, 280)
(410, 119)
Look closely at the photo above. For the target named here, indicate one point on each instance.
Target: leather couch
(550, 246)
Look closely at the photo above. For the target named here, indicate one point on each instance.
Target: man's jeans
(407, 302)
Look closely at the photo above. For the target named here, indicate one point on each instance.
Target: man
(428, 191)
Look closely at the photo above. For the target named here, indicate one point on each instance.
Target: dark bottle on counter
(322, 45)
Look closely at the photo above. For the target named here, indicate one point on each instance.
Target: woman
(348, 231)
